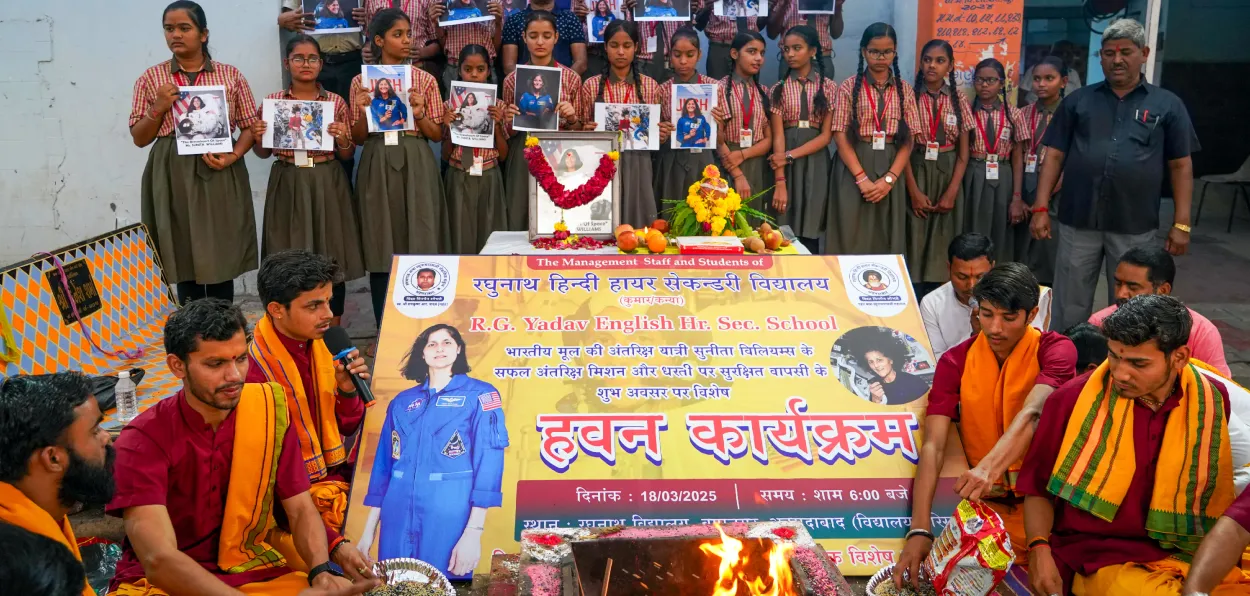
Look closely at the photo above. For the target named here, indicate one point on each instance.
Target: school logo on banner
(874, 284)
(425, 285)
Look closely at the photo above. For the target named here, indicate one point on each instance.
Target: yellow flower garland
(708, 208)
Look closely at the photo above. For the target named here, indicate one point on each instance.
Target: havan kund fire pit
(737, 559)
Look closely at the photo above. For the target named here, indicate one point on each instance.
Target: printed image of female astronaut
(439, 460)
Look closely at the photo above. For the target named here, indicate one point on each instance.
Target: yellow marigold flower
(719, 211)
(718, 226)
(561, 227)
(614, 155)
(531, 141)
(711, 171)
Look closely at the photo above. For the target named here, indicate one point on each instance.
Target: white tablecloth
(517, 243)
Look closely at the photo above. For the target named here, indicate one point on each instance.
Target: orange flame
(733, 567)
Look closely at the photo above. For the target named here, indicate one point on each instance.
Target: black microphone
(340, 344)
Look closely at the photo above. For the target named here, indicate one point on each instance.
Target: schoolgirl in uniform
(802, 113)
(935, 172)
(873, 128)
(308, 204)
(621, 82)
(676, 169)
(541, 37)
(399, 193)
(992, 184)
(1050, 84)
(473, 182)
(745, 136)
(198, 208)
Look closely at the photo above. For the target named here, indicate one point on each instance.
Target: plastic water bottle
(127, 401)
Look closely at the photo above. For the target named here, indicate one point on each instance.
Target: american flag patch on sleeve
(490, 401)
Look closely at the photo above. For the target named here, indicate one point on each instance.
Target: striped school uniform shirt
(422, 26)
(937, 112)
(1010, 129)
(239, 98)
(873, 98)
(819, 22)
(792, 91)
(738, 97)
(617, 91)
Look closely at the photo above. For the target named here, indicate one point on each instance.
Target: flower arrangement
(712, 208)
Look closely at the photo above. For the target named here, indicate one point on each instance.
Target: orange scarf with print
(991, 396)
(321, 445)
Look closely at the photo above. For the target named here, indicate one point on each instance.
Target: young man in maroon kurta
(296, 286)
(174, 465)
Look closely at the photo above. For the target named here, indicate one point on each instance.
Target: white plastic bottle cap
(125, 374)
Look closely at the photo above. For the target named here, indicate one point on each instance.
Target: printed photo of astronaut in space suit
(439, 461)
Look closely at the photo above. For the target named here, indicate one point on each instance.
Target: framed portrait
(574, 157)
(332, 16)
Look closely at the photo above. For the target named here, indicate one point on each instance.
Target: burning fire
(733, 569)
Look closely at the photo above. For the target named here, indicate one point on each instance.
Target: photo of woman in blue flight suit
(692, 127)
(439, 460)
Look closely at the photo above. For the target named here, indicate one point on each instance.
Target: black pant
(189, 290)
(336, 76)
(378, 283)
(338, 298)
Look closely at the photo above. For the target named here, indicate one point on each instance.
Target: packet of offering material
(972, 555)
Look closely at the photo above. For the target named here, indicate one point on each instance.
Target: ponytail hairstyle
(381, 23)
(474, 49)
(1002, 74)
(630, 28)
(874, 31)
(1056, 63)
(541, 16)
(821, 103)
(299, 38)
(950, 77)
(740, 41)
(196, 12)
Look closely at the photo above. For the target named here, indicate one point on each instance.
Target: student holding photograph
(622, 82)
(802, 113)
(386, 108)
(453, 37)
(475, 200)
(310, 208)
(874, 128)
(425, 50)
(935, 171)
(677, 168)
(745, 137)
(399, 193)
(198, 208)
(721, 32)
(541, 38)
(654, 64)
(570, 47)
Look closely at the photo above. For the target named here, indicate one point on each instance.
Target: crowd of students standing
(872, 165)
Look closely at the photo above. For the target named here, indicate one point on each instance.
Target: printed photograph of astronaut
(298, 125)
(882, 365)
(639, 124)
(692, 112)
(662, 10)
(389, 86)
(202, 120)
(740, 8)
(332, 16)
(439, 460)
(460, 12)
(538, 93)
(602, 12)
(470, 121)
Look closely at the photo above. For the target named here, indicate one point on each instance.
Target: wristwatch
(889, 179)
(328, 567)
(789, 158)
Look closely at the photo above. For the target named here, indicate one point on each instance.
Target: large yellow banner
(562, 391)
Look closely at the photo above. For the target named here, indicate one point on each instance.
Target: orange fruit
(622, 229)
(729, 233)
(656, 242)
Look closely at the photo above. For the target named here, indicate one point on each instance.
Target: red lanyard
(1033, 129)
(872, 105)
(611, 95)
(936, 116)
(748, 107)
(998, 131)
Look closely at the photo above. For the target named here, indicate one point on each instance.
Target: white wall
(68, 169)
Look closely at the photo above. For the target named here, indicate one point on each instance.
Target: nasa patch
(416, 403)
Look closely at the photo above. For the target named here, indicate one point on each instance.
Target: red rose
(785, 533)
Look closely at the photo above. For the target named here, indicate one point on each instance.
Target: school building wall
(68, 169)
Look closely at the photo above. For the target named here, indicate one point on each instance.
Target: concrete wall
(68, 169)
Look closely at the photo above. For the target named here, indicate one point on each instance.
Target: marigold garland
(711, 207)
(561, 197)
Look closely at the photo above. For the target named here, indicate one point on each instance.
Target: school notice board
(980, 30)
(601, 391)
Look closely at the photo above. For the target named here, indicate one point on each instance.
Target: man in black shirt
(1111, 141)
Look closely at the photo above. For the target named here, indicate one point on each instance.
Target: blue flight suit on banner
(440, 454)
